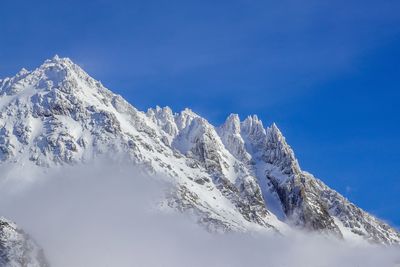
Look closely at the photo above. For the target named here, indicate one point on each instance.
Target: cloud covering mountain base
(106, 215)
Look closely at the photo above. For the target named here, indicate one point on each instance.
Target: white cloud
(103, 215)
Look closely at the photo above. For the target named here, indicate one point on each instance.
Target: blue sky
(327, 72)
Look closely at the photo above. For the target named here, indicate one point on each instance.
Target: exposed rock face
(17, 249)
(233, 177)
(297, 192)
(230, 133)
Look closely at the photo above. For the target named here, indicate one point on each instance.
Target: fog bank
(105, 215)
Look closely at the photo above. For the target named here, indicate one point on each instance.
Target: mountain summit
(239, 176)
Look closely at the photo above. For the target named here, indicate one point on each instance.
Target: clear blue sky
(327, 72)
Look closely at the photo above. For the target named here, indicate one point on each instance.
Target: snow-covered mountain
(17, 248)
(239, 176)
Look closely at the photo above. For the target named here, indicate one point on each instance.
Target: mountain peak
(273, 132)
(60, 62)
(253, 130)
(279, 153)
(184, 118)
(58, 59)
(61, 74)
(189, 112)
(22, 72)
(164, 118)
(161, 112)
(230, 134)
(253, 122)
(232, 124)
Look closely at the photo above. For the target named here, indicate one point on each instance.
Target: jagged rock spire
(165, 119)
(253, 127)
(279, 153)
(184, 118)
(230, 133)
(22, 72)
(232, 124)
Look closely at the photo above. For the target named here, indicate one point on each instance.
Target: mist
(106, 214)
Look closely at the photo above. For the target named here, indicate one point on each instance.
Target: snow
(67, 117)
(271, 198)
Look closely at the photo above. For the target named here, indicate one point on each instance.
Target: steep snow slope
(238, 176)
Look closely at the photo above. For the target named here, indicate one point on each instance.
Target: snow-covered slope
(239, 176)
(17, 248)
